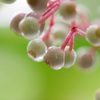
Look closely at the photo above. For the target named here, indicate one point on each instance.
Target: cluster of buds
(54, 43)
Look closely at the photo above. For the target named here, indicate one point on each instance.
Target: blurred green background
(23, 79)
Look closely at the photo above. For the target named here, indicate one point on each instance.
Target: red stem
(71, 43)
(82, 33)
(49, 8)
(69, 36)
(46, 36)
(48, 13)
(51, 2)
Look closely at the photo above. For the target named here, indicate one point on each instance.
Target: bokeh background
(23, 79)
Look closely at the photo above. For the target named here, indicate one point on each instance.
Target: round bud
(59, 31)
(15, 22)
(54, 57)
(93, 35)
(67, 9)
(29, 27)
(49, 42)
(97, 95)
(70, 57)
(8, 1)
(39, 6)
(36, 49)
(34, 15)
(86, 58)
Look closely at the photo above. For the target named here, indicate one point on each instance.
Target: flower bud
(54, 57)
(93, 35)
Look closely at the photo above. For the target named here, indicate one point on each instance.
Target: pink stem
(71, 43)
(51, 2)
(49, 8)
(48, 14)
(82, 33)
(46, 36)
(51, 21)
(70, 34)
